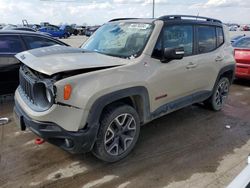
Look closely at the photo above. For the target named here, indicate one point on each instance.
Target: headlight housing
(43, 96)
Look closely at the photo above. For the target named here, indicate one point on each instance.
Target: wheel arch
(228, 72)
(136, 97)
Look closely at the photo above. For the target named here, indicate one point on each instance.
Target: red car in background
(246, 28)
(242, 57)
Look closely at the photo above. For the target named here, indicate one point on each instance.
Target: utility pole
(153, 13)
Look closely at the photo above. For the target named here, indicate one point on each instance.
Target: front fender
(97, 107)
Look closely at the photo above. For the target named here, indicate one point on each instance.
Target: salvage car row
(62, 31)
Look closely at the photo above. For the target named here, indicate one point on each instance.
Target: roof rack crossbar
(181, 17)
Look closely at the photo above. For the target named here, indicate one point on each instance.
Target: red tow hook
(39, 141)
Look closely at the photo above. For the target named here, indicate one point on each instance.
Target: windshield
(125, 40)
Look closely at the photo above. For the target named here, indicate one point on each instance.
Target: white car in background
(233, 28)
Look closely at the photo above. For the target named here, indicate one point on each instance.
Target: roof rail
(118, 19)
(188, 17)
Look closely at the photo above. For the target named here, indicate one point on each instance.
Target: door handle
(218, 58)
(191, 65)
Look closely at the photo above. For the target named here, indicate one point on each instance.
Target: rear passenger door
(208, 56)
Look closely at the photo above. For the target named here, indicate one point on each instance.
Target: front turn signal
(67, 91)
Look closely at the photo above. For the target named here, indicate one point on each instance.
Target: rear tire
(219, 96)
(118, 134)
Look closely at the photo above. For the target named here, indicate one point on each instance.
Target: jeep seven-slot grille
(33, 90)
(26, 86)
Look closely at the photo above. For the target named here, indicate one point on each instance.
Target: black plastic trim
(180, 103)
(82, 141)
(102, 102)
(224, 70)
(195, 18)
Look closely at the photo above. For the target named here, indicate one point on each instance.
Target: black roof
(175, 18)
(188, 17)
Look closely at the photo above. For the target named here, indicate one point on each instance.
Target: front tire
(219, 96)
(118, 134)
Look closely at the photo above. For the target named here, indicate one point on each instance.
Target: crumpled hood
(55, 59)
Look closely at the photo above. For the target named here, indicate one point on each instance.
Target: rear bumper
(74, 142)
(242, 71)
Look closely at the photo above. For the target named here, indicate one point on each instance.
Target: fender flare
(99, 104)
(221, 72)
(96, 109)
(226, 69)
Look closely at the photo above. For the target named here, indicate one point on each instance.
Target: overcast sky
(100, 11)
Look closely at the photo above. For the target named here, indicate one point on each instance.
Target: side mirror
(172, 53)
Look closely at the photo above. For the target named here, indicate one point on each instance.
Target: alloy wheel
(221, 93)
(120, 134)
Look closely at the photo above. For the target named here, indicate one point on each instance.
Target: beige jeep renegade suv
(129, 72)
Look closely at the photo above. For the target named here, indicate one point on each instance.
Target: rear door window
(206, 39)
(11, 44)
(38, 42)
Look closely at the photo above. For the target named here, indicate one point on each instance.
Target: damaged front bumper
(80, 141)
